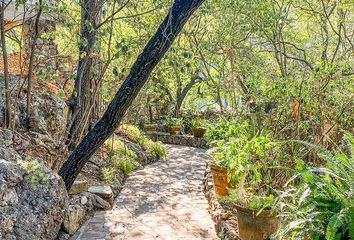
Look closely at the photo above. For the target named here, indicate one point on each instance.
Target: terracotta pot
(150, 127)
(174, 129)
(255, 227)
(120, 126)
(219, 179)
(199, 132)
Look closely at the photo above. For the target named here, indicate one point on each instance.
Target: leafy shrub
(320, 204)
(117, 147)
(195, 123)
(108, 174)
(34, 173)
(224, 129)
(154, 149)
(126, 164)
(173, 122)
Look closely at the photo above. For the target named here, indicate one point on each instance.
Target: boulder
(103, 191)
(90, 202)
(33, 201)
(6, 136)
(74, 217)
(78, 186)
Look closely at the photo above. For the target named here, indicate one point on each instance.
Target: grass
(153, 149)
(121, 157)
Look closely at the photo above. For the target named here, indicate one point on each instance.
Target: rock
(79, 186)
(103, 191)
(9, 154)
(48, 113)
(10, 197)
(84, 200)
(6, 136)
(89, 202)
(73, 219)
(117, 183)
(63, 236)
(97, 202)
(33, 201)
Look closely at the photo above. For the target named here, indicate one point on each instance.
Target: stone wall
(185, 140)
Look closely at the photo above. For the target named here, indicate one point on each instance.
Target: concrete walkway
(164, 200)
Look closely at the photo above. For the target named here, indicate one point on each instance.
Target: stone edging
(178, 139)
(223, 217)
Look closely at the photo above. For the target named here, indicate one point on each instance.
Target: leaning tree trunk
(154, 51)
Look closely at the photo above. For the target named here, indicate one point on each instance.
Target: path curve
(164, 200)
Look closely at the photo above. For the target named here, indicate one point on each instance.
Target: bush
(117, 147)
(126, 164)
(320, 204)
(108, 174)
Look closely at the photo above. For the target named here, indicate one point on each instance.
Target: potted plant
(255, 169)
(174, 125)
(198, 128)
(218, 167)
(149, 128)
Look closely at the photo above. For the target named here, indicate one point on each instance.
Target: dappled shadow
(163, 200)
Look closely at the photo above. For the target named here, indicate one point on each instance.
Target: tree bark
(83, 99)
(152, 54)
(183, 94)
(30, 64)
(6, 69)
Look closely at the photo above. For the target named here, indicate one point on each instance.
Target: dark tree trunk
(83, 97)
(183, 94)
(139, 73)
(6, 68)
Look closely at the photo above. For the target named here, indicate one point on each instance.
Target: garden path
(164, 200)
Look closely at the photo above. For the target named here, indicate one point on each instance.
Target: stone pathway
(164, 200)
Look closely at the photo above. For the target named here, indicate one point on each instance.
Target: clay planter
(199, 132)
(120, 127)
(219, 179)
(250, 226)
(174, 129)
(150, 127)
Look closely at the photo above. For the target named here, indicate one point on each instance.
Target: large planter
(219, 179)
(199, 132)
(150, 127)
(256, 227)
(174, 129)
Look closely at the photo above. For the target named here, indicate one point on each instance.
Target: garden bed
(184, 140)
(223, 217)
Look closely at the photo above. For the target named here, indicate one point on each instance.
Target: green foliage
(174, 122)
(124, 163)
(320, 204)
(35, 174)
(108, 174)
(195, 123)
(225, 129)
(117, 147)
(249, 200)
(154, 149)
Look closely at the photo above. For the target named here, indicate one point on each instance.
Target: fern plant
(320, 205)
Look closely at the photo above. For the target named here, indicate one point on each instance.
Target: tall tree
(85, 83)
(3, 7)
(156, 48)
